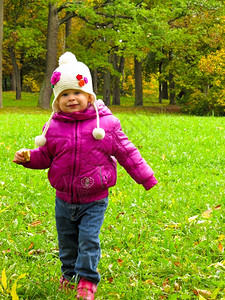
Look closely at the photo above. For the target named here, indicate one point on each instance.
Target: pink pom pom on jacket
(81, 168)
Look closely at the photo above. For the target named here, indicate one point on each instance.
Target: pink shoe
(66, 284)
(86, 290)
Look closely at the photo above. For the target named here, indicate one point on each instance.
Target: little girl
(81, 156)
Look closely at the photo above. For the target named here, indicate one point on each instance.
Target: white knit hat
(71, 74)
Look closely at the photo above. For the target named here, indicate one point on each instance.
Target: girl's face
(73, 101)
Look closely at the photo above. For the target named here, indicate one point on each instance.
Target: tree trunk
(165, 90)
(95, 81)
(51, 57)
(171, 83)
(171, 88)
(118, 64)
(116, 90)
(160, 83)
(106, 88)
(115, 82)
(138, 83)
(16, 72)
(1, 38)
(68, 30)
(160, 92)
(13, 81)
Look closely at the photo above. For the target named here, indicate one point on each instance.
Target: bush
(30, 84)
(201, 103)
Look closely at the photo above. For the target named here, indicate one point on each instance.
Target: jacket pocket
(107, 176)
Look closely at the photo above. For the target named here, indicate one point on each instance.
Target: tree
(51, 55)
(116, 28)
(1, 38)
(138, 82)
(23, 36)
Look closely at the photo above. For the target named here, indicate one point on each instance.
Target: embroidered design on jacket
(87, 182)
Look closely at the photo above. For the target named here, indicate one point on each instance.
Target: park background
(160, 69)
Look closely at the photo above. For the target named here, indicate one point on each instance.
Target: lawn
(166, 243)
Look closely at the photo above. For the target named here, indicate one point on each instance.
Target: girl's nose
(72, 96)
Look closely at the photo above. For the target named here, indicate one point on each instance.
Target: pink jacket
(81, 168)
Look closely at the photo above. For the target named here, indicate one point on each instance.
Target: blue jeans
(78, 227)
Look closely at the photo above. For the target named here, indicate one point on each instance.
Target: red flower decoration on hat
(82, 81)
(55, 78)
(79, 77)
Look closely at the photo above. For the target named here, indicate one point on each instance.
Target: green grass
(162, 244)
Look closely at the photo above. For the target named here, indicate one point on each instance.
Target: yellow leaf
(201, 297)
(4, 279)
(207, 214)
(215, 293)
(22, 276)
(221, 237)
(149, 281)
(13, 292)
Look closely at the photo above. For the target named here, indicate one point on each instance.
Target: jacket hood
(88, 113)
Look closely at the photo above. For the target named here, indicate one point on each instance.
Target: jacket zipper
(75, 159)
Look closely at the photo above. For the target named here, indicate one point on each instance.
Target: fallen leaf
(149, 281)
(215, 293)
(31, 246)
(4, 279)
(176, 286)
(203, 293)
(31, 252)
(176, 263)
(35, 223)
(116, 249)
(6, 251)
(120, 261)
(207, 214)
(220, 247)
(217, 207)
(221, 237)
(13, 292)
(122, 213)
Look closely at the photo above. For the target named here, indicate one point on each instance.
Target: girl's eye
(76, 93)
(65, 95)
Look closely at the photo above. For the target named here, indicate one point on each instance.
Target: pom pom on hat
(67, 58)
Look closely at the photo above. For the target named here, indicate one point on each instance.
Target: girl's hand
(22, 156)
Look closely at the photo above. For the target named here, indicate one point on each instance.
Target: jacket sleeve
(39, 159)
(131, 160)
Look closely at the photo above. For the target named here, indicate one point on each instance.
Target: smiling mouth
(73, 105)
